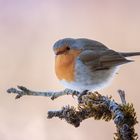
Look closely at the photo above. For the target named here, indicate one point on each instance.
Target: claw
(53, 97)
(72, 95)
(82, 94)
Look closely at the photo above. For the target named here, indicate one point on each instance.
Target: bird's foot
(81, 95)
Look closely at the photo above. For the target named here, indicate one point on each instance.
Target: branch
(102, 107)
(92, 105)
(21, 91)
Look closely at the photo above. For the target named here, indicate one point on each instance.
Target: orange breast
(64, 65)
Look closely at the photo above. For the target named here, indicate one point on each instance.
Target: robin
(84, 64)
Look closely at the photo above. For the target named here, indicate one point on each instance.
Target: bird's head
(65, 45)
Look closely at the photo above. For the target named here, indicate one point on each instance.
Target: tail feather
(129, 54)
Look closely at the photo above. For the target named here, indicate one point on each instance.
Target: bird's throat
(65, 64)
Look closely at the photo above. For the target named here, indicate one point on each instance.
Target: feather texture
(103, 59)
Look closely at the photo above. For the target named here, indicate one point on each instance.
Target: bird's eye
(67, 48)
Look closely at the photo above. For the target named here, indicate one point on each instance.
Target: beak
(59, 52)
(56, 52)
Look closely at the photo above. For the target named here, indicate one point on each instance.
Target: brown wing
(103, 59)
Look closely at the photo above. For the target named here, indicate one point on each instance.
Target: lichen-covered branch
(92, 105)
(102, 107)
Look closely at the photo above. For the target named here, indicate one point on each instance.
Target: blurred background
(28, 30)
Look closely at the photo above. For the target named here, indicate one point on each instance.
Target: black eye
(67, 48)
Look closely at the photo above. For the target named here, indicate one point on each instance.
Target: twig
(21, 91)
(122, 96)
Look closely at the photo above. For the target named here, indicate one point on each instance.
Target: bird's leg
(82, 94)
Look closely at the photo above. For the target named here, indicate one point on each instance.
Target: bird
(87, 65)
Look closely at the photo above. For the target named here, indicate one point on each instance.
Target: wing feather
(103, 59)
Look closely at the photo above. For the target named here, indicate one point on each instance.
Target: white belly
(85, 79)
